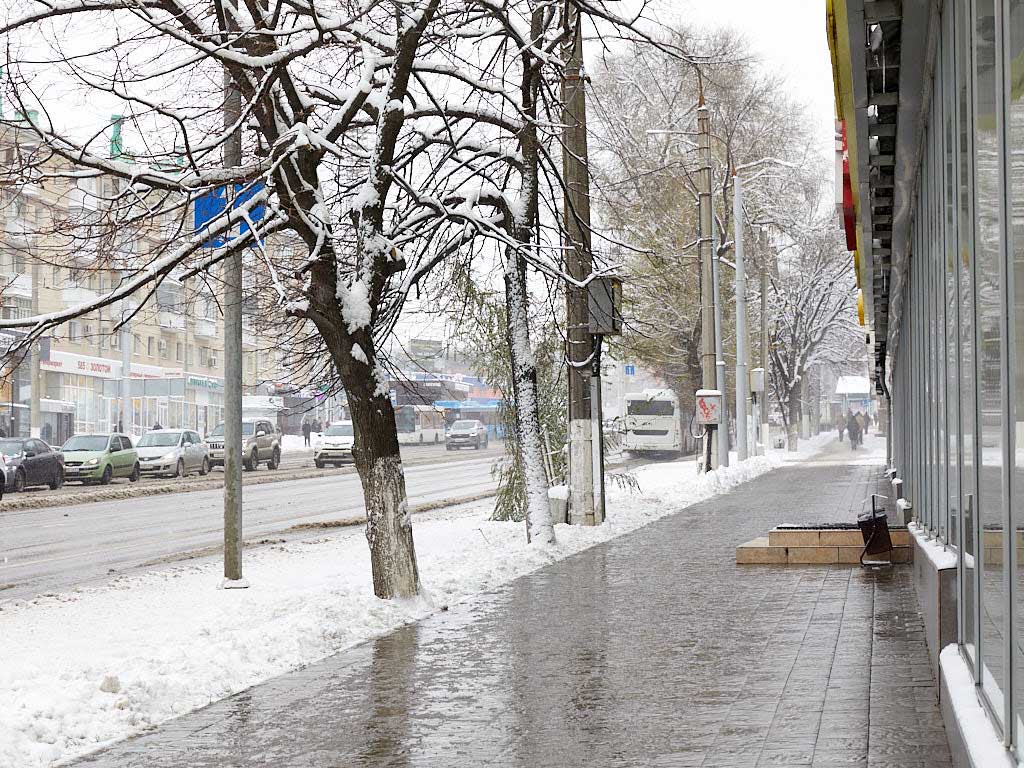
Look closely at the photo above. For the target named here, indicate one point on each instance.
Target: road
(56, 548)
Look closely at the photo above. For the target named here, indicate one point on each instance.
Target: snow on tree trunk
(793, 422)
(379, 463)
(539, 528)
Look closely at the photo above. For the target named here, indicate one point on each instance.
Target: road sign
(630, 370)
(213, 203)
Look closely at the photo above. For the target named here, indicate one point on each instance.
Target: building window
(179, 352)
(204, 356)
(136, 344)
(74, 332)
(149, 346)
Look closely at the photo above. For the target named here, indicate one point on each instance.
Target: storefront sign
(67, 362)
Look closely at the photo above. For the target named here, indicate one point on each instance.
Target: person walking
(867, 421)
(853, 427)
(841, 425)
(305, 432)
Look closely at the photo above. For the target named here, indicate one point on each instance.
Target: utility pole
(764, 342)
(704, 251)
(723, 430)
(125, 416)
(232, 346)
(579, 266)
(35, 418)
(741, 320)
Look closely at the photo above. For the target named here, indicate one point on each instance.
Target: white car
(172, 452)
(334, 445)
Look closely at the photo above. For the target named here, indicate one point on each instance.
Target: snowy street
(50, 549)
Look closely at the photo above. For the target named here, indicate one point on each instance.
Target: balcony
(172, 321)
(204, 328)
(14, 284)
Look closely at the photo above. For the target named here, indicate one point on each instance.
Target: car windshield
(159, 439)
(460, 425)
(87, 443)
(247, 430)
(11, 447)
(339, 430)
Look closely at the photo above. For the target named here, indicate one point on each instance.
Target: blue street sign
(630, 370)
(212, 204)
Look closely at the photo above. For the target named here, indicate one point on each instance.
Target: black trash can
(874, 528)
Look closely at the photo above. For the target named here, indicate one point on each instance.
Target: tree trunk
(793, 422)
(539, 527)
(379, 464)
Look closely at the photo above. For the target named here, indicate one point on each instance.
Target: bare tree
(646, 165)
(385, 137)
(812, 311)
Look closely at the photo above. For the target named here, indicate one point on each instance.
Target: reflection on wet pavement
(654, 649)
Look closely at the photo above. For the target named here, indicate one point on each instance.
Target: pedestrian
(841, 425)
(157, 425)
(47, 434)
(305, 432)
(853, 427)
(867, 421)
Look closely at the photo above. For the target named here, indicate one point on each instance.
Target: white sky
(789, 36)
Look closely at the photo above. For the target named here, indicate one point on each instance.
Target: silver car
(173, 453)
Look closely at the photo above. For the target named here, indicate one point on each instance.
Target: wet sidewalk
(654, 649)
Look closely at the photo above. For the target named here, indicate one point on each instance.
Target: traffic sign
(630, 370)
(213, 203)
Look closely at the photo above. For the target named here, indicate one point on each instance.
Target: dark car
(31, 462)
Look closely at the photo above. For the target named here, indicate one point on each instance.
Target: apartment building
(164, 351)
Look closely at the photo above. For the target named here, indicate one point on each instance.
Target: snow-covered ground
(95, 665)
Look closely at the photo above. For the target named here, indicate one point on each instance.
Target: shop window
(990, 311)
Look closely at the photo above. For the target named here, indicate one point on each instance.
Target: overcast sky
(789, 35)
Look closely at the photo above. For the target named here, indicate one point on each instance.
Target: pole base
(233, 584)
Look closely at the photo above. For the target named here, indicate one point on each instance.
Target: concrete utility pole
(723, 430)
(704, 252)
(35, 418)
(742, 381)
(765, 363)
(579, 266)
(232, 350)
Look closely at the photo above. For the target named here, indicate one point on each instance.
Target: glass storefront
(958, 374)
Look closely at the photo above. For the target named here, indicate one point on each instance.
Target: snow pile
(95, 665)
(940, 557)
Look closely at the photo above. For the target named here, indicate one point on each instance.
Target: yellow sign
(860, 306)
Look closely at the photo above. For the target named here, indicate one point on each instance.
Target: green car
(100, 458)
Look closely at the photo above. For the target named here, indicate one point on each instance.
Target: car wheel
(107, 476)
(179, 468)
(337, 465)
(205, 468)
(275, 459)
(447, 447)
(136, 473)
(58, 479)
(319, 464)
(476, 445)
(19, 481)
(252, 462)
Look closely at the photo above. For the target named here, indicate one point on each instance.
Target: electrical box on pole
(709, 407)
(757, 380)
(605, 299)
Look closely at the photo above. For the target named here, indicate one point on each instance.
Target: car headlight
(167, 456)
(92, 462)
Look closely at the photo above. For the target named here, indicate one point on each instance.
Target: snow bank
(95, 665)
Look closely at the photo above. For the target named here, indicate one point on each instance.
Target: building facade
(167, 355)
(931, 99)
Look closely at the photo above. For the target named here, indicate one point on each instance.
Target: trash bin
(874, 528)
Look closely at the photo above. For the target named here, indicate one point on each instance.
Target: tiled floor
(655, 649)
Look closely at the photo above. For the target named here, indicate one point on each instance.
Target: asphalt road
(293, 462)
(56, 548)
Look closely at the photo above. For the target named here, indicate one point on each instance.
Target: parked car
(3, 477)
(173, 452)
(334, 445)
(261, 444)
(28, 462)
(100, 458)
(466, 433)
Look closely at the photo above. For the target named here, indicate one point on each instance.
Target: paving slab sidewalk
(653, 649)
